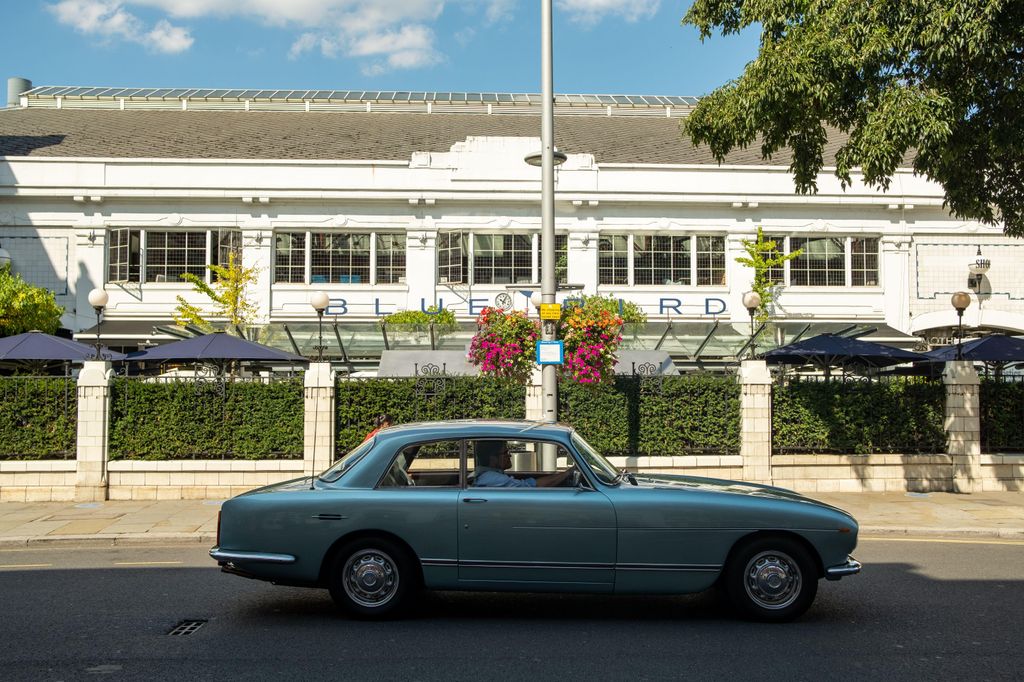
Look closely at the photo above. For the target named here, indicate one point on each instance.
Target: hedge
(206, 420)
(1002, 416)
(860, 417)
(38, 418)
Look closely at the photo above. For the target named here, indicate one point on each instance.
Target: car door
(536, 538)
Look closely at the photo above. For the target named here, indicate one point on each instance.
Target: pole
(320, 334)
(549, 377)
(99, 321)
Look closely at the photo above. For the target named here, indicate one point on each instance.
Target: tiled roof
(338, 136)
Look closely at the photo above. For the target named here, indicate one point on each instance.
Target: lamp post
(98, 299)
(547, 159)
(320, 301)
(752, 301)
(960, 301)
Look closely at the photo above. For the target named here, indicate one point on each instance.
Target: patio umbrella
(828, 350)
(992, 348)
(40, 346)
(215, 346)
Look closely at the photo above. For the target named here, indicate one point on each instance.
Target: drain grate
(186, 627)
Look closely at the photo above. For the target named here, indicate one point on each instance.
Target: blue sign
(550, 352)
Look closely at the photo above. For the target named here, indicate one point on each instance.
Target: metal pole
(549, 377)
(320, 333)
(99, 321)
(960, 335)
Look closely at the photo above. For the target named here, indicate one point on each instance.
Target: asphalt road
(920, 610)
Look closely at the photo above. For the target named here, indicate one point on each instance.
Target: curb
(928, 532)
(111, 540)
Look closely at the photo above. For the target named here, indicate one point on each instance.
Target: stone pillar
(319, 419)
(93, 431)
(963, 425)
(756, 421)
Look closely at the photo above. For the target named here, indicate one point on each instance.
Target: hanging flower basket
(504, 344)
(591, 339)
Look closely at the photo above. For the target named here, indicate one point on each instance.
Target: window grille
(172, 254)
(502, 258)
(227, 243)
(124, 255)
(390, 258)
(661, 259)
(290, 257)
(613, 259)
(864, 261)
(822, 263)
(561, 257)
(342, 258)
(452, 258)
(710, 261)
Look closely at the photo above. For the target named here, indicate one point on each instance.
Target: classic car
(532, 507)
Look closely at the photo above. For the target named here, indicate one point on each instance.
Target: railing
(206, 417)
(38, 417)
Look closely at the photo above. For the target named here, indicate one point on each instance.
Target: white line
(944, 541)
(148, 563)
(25, 565)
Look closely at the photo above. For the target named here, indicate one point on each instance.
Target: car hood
(724, 486)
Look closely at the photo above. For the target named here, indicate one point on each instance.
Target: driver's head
(491, 453)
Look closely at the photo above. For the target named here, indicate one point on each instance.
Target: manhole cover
(186, 627)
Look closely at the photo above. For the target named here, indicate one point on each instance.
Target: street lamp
(960, 301)
(320, 301)
(548, 155)
(752, 301)
(98, 299)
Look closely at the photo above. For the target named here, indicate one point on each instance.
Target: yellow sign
(550, 311)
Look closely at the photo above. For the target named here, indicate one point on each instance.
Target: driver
(492, 458)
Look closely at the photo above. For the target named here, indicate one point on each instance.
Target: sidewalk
(995, 515)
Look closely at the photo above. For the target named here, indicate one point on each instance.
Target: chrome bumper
(851, 567)
(226, 556)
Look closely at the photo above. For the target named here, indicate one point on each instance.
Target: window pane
(290, 257)
(561, 258)
(501, 463)
(864, 261)
(822, 262)
(342, 258)
(612, 260)
(710, 261)
(169, 255)
(390, 258)
(452, 257)
(661, 259)
(502, 258)
(431, 465)
(227, 244)
(123, 255)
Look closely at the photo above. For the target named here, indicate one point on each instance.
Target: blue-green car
(506, 505)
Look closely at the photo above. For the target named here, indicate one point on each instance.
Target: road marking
(148, 563)
(25, 565)
(945, 541)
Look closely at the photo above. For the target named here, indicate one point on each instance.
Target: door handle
(473, 500)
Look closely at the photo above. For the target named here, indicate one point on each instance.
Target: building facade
(403, 201)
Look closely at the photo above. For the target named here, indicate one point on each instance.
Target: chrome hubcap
(370, 578)
(773, 580)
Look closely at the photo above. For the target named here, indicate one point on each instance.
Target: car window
(338, 469)
(513, 463)
(431, 465)
(602, 468)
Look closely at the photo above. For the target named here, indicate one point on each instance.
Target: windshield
(339, 468)
(602, 468)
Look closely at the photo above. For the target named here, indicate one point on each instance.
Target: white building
(402, 200)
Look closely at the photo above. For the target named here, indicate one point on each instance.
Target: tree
(763, 255)
(937, 79)
(24, 307)
(228, 294)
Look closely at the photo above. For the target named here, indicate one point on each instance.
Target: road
(920, 610)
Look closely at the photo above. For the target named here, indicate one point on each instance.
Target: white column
(319, 417)
(582, 256)
(756, 421)
(895, 273)
(963, 425)
(421, 266)
(93, 431)
(258, 252)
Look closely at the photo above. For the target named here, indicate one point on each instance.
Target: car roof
(469, 428)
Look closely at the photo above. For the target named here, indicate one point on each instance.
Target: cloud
(108, 20)
(590, 12)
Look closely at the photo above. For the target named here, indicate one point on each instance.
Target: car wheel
(771, 579)
(372, 578)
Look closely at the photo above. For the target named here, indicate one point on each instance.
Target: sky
(600, 46)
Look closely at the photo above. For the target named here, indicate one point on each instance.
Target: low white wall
(54, 480)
